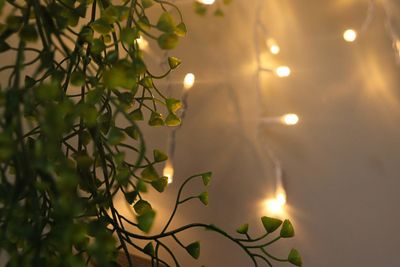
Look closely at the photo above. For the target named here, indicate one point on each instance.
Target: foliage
(70, 113)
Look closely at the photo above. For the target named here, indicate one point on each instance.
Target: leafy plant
(70, 112)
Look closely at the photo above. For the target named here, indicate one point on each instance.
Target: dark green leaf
(166, 22)
(270, 224)
(206, 178)
(160, 184)
(145, 221)
(101, 26)
(159, 156)
(78, 78)
(194, 250)
(136, 115)
(181, 29)
(131, 196)
(4, 46)
(149, 173)
(142, 206)
(287, 230)
(204, 198)
(173, 105)
(174, 62)
(97, 46)
(129, 35)
(149, 249)
(295, 258)
(200, 8)
(147, 3)
(168, 41)
(156, 119)
(132, 131)
(28, 33)
(172, 120)
(243, 229)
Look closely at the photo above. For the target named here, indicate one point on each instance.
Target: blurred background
(340, 162)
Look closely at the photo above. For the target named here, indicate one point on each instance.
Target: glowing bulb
(290, 119)
(350, 35)
(281, 197)
(188, 81)
(142, 43)
(207, 2)
(273, 46)
(282, 71)
(168, 171)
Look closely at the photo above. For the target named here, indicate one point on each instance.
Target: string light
(207, 2)
(283, 71)
(290, 119)
(188, 81)
(168, 171)
(142, 43)
(350, 35)
(273, 46)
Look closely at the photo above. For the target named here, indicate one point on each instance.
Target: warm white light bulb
(275, 49)
(281, 197)
(282, 71)
(273, 46)
(142, 43)
(290, 119)
(188, 81)
(207, 2)
(350, 35)
(168, 171)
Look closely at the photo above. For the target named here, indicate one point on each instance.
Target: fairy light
(168, 171)
(283, 71)
(207, 2)
(273, 46)
(188, 81)
(276, 205)
(350, 35)
(290, 119)
(142, 43)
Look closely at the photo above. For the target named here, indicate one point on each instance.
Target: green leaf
(123, 175)
(206, 178)
(270, 224)
(131, 196)
(166, 22)
(174, 62)
(101, 26)
(194, 249)
(121, 75)
(147, 3)
(149, 249)
(172, 120)
(287, 230)
(141, 186)
(86, 34)
(129, 35)
(147, 82)
(243, 229)
(159, 156)
(181, 29)
(81, 10)
(142, 206)
(110, 14)
(295, 258)
(156, 119)
(168, 41)
(149, 173)
(200, 8)
(78, 78)
(204, 198)
(173, 105)
(136, 115)
(4, 46)
(160, 184)
(115, 136)
(132, 131)
(145, 221)
(97, 46)
(28, 33)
